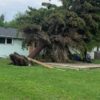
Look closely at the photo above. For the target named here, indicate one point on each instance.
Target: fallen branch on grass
(40, 63)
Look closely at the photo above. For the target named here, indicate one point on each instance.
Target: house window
(5, 40)
(9, 41)
(2, 40)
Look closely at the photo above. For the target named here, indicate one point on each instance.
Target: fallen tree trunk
(21, 60)
(36, 51)
(40, 63)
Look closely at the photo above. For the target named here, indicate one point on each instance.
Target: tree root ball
(19, 60)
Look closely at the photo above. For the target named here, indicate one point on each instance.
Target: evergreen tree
(2, 20)
(73, 25)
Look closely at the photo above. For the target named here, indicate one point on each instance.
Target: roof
(10, 32)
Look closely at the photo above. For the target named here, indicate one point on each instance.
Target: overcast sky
(10, 7)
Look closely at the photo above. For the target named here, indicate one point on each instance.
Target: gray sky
(11, 7)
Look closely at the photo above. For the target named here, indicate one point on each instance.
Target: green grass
(38, 83)
(96, 61)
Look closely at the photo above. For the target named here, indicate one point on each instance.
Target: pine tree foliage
(75, 24)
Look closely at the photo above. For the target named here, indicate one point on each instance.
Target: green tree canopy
(75, 24)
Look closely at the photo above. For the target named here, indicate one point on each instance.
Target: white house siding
(16, 46)
(93, 52)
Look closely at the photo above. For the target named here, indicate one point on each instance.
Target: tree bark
(36, 51)
(60, 54)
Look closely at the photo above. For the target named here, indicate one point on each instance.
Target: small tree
(2, 20)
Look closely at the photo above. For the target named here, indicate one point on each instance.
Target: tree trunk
(84, 56)
(60, 54)
(36, 51)
(97, 48)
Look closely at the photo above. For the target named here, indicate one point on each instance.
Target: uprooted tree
(57, 29)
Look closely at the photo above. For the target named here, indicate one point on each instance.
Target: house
(11, 41)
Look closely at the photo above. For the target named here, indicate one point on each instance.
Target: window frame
(11, 41)
(4, 40)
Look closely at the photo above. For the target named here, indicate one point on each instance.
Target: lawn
(96, 61)
(38, 83)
